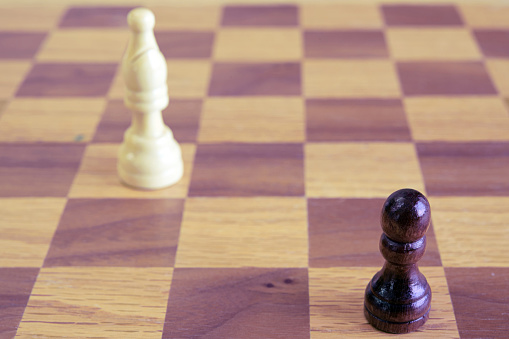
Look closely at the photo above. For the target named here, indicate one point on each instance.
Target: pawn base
(150, 163)
(394, 327)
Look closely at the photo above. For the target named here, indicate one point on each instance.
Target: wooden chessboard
(296, 122)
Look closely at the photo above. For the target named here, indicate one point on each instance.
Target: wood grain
(13, 73)
(240, 232)
(367, 170)
(51, 120)
(463, 227)
(27, 228)
(97, 302)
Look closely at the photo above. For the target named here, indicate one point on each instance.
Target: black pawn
(398, 298)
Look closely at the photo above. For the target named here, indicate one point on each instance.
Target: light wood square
(350, 78)
(186, 17)
(499, 71)
(59, 120)
(186, 79)
(432, 44)
(471, 231)
(492, 15)
(336, 298)
(458, 119)
(250, 119)
(329, 16)
(30, 18)
(365, 170)
(97, 176)
(97, 302)
(258, 44)
(27, 228)
(12, 74)
(84, 45)
(239, 232)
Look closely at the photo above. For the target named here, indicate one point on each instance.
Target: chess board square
(484, 317)
(345, 44)
(255, 44)
(346, 232)
(238, 303)
(35, 18)
(27, 229)
(95, 17)
(53, 120)
(92, 300)
(272, 169)
(97, 176)
(336, 298)
(356, 120)
(493, 43)
(186, 17)
(360, 170)
(350, 78)
(432, 44)
(243, 232)
(464, 225)
(48, 79)
(84, 45)
(237, 79)
(182, 116)
(185, 44)
(461, 119)
(186, 79)
(499, 72)
(445, 78)
(38, 170)
(20, 45)
(452, 169)
(482, 16)
(117, 232)
(421, 15)
(13, 73)
(346, 16)
(244, 119)
(259, 15)
(16, 284)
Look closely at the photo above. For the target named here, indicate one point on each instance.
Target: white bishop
(149, 157)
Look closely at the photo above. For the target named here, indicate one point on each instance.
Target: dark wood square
(117, 232)
(345, 44)
(248, 170)
(346, 232)
(182, 116)
(38, 170)
(465, 169)
(421, 15)
(20, 45)
(493, 43)
(445, 78)
(232, 79)
(185, 44)
(259, 15)
(95, 17)
(76, 80)
(356, 120)
(16, 284)
(480, 304)
(238, 303)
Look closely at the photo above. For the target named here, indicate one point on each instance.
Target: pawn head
(141, 19)
(406, 215)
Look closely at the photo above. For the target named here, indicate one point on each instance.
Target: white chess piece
(149, 157)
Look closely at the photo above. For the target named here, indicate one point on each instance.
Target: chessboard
(296, 121)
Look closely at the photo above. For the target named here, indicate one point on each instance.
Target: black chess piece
(398, 298)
